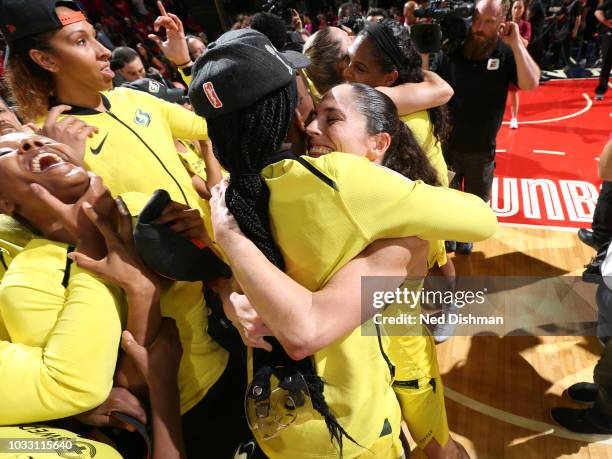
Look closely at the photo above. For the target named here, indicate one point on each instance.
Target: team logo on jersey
(142, 118)
(98, 149)
(493, 64)
(245, 450)
(211, 94)
(154, 86)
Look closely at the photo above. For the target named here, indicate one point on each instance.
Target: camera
(449, 27)
(278, 8)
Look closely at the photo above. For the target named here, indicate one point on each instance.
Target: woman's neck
(78, 97)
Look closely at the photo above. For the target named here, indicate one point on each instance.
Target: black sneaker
(599, 97)
(586, 237)
(464, 248)
(580, 421)
(583, 392)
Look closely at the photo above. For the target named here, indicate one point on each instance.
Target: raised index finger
(162, 9)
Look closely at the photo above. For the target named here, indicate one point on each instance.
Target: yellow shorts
(38, 441)
(423, 409)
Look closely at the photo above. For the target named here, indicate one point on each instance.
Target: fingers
(107, 231)
(54, 114)
(126, 402)
(166, 22)
(177, 23)
(129, 345)
(85, 262)
(162, 9)
(125, 222)
(154, 37)
(50, 201)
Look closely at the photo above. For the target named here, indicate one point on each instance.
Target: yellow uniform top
(134, 148)
(422, 129)
(48, 369)
(35, 305)
(13, 237)
(319, 229)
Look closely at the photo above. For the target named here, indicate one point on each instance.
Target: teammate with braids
(311, 216)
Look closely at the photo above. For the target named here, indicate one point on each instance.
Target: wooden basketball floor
(499, 390)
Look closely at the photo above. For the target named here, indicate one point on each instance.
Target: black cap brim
(295, 59)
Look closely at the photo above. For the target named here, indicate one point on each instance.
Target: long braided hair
(404, 154)
(244, 142)
(411, 72)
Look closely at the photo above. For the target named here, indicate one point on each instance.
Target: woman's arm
(304, 321)
(413, 97)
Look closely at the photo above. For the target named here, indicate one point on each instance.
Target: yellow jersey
(320, 225)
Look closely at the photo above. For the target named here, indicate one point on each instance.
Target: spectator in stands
(517, 14)
(536, 15)
(409, 9)
(480, 71)
(196, 47)
(102, 36)
(8, 120)
(604, 16)
(376, 15)
(127, 65)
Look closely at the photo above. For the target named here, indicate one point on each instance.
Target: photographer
(480, 71)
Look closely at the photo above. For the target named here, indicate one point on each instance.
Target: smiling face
(339, 126)
(28, 158)
(77, 59)
(365, 66)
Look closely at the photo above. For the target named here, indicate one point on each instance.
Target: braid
(243, 141)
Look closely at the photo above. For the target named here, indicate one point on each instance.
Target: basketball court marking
(589, 104)
(550, 152)
(523, 422)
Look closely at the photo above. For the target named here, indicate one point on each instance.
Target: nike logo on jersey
(245, 451)
(96, 151)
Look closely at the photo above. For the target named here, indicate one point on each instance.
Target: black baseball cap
(170, 254)
(239, 69)
(25, 18)
(157, 89)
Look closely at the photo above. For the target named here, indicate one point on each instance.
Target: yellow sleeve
(183, 123)
(385, 204)
(73, 371)
(186, 78)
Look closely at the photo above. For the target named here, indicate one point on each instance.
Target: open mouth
(6, 128)
(106, 70)
(43, 161)
(318, 150)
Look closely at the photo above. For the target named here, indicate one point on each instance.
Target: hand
(70, 130)
(120, 400)
(243, 316)
(185, 221)
(509, 34)
(224, 224)
(72, 217)
(174, 47)
(122, 264)
(160, 361)
(296, 20)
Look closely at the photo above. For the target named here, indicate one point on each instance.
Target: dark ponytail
(243, 142)
(410, 71)
(404, 155)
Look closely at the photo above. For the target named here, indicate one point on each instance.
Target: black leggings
(216, 426)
